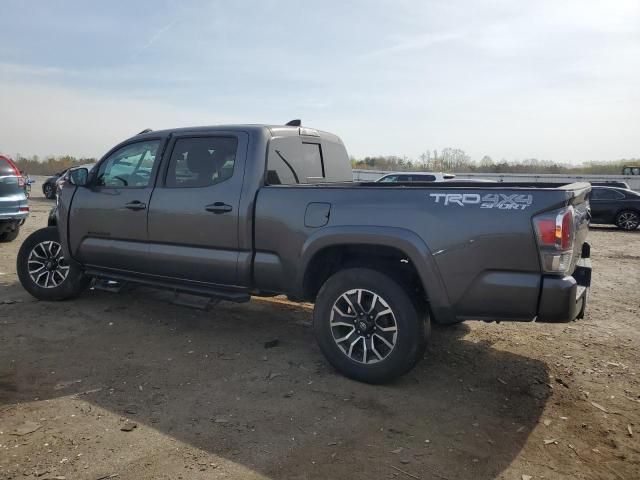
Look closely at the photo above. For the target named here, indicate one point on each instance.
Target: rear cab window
(9, 179)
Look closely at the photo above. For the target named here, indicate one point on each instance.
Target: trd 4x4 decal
(502, 201)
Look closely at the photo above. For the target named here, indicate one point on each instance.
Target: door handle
(136, 205)
(218, 207)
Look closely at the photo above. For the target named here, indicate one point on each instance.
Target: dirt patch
(208, 400)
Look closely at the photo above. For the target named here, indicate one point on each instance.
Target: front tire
(628, 220)
(43, 270)
(368, 327)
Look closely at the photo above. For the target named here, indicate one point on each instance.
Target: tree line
(446, 160)
(50, 165)
(456, 160)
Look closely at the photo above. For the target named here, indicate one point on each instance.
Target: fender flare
(401, 239)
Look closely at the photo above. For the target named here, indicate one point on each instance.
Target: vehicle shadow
(205, 378)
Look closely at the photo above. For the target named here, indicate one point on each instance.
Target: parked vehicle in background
(65, 176)
(615, 206)
(611, 183)
(14, 208)
(49, 185)
(233, 211)
(401, 177)
(631, 170)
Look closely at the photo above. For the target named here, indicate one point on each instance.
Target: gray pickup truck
(234, 211)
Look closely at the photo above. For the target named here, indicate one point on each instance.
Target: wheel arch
(627, 208)
(398, 252)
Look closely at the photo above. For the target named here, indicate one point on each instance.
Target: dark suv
(615, 206)
(13, 201)
(49, 185)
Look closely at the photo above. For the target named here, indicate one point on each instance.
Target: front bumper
(564, 299)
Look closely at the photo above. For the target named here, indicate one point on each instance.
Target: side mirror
(79, 177)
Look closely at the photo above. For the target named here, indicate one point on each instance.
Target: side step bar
(200, 290)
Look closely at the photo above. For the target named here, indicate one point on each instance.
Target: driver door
(108, 218)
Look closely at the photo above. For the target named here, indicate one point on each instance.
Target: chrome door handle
(136, 205)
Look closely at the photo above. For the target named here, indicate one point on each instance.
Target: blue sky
(557, 80)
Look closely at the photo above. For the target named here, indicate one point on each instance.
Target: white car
(416, 177)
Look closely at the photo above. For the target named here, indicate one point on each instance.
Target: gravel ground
(130, 386)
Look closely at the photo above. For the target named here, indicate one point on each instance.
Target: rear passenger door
(193, 214)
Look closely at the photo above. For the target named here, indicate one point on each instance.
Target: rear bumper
(9, 223)
(564, 299)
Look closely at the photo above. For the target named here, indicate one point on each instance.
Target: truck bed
(477, 238)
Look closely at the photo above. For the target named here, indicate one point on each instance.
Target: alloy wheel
(363, 326)
(46, 265)
(628, 220)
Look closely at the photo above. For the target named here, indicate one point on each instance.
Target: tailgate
(581, 218)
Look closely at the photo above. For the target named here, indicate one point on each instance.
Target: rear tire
(628, 220)
(368, 327)
(11, 235)
(43, 270)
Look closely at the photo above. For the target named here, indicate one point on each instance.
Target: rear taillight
(23, 209)
(554, 232)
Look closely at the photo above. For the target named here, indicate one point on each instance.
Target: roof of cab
(273, 130)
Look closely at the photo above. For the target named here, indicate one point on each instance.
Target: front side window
(389, 179)
(202, 161)
(129, 166)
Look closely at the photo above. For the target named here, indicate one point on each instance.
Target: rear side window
(424, 178)
(202, 161)
(6, 168)
(9, 181)
(601, 194)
